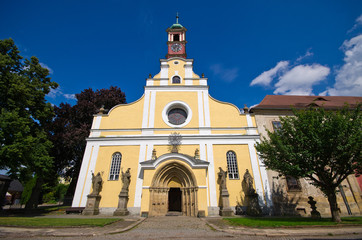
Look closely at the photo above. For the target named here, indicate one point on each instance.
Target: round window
(177, 116)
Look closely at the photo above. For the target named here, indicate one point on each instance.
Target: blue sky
(247, 49)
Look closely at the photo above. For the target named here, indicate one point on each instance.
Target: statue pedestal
(92, 207)
(122, 204)
(253, 208)
(225, 208)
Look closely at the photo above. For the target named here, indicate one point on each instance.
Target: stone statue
(248, 179)
(123, 195)
(126, 179)
(222, 176)
(197, 154)
(96, 184)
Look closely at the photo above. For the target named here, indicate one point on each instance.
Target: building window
(176, 37)
(115, 166)
(232, 165)
(176, 79)
(293, 184)
(276, 125)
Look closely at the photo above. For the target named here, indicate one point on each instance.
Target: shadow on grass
(40, 211)
(289, 221)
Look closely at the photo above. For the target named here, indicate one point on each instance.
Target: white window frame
(232, 163)
(115, 167)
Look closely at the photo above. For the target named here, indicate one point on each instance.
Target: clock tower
(176, 40)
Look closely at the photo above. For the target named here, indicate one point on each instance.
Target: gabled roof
(287, 102)
(15, 186)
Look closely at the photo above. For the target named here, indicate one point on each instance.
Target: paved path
(177, 227)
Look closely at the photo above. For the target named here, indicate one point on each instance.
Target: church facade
(173, 141)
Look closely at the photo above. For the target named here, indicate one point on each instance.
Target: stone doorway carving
(173, 182)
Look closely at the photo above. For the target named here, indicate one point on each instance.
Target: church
(174, 144)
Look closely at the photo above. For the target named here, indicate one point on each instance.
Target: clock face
(177, 116)
(176, 47)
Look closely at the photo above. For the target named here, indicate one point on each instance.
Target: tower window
(232, 165)
(115, 166)
(176, 79)
(176, 37)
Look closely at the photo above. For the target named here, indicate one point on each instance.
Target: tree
(322, 146)
(72, 125)
(24, 146)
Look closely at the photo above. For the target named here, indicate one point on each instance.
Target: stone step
(174, 213)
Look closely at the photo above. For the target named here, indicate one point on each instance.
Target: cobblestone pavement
(179, 227)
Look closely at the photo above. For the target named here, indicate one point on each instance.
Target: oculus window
(177, 116)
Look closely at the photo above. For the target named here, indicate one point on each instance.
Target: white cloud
(266, 77)
(70, 96)
(307, 54)
(225, 74)
(357, 24)
(47, 67)
(349, 76)
(300, 79)
(54, 93)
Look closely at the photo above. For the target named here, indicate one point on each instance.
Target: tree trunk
(35, 193)
(332, 199)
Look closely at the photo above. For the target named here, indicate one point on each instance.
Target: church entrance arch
(173, 188)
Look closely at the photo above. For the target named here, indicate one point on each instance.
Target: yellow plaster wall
(254, 121)
(225, 115)
(243, 159)
(124, 116)
(111, 189)
(163, 98)
(180, 67)
(243, 132)
(184, 149)
(180, 130)
(115, 133)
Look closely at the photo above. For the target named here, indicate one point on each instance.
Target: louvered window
(115, 166)
(232, 165)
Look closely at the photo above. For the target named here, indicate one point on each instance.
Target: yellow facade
(186, 180)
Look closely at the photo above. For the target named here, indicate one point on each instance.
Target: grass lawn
(55, 222)
(288, 222)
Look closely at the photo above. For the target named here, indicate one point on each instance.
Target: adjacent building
(290, 195)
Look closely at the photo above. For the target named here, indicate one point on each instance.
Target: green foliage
(55, 194)
(322, 146)
(25, 196)
(24, 114)
(289, 222)
(56, 222)
(316, 142)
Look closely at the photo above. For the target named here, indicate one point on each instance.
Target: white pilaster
(82, 176)
(145, 109)
(206, 112)
(95, 125)
(256, 173)
(164, 70)
(212, 178)
(200, 108)
(139, 179)
(188, 70)
(151, 123)
(88, 176)
(251, 130)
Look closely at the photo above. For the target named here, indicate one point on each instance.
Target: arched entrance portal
(173, 188)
